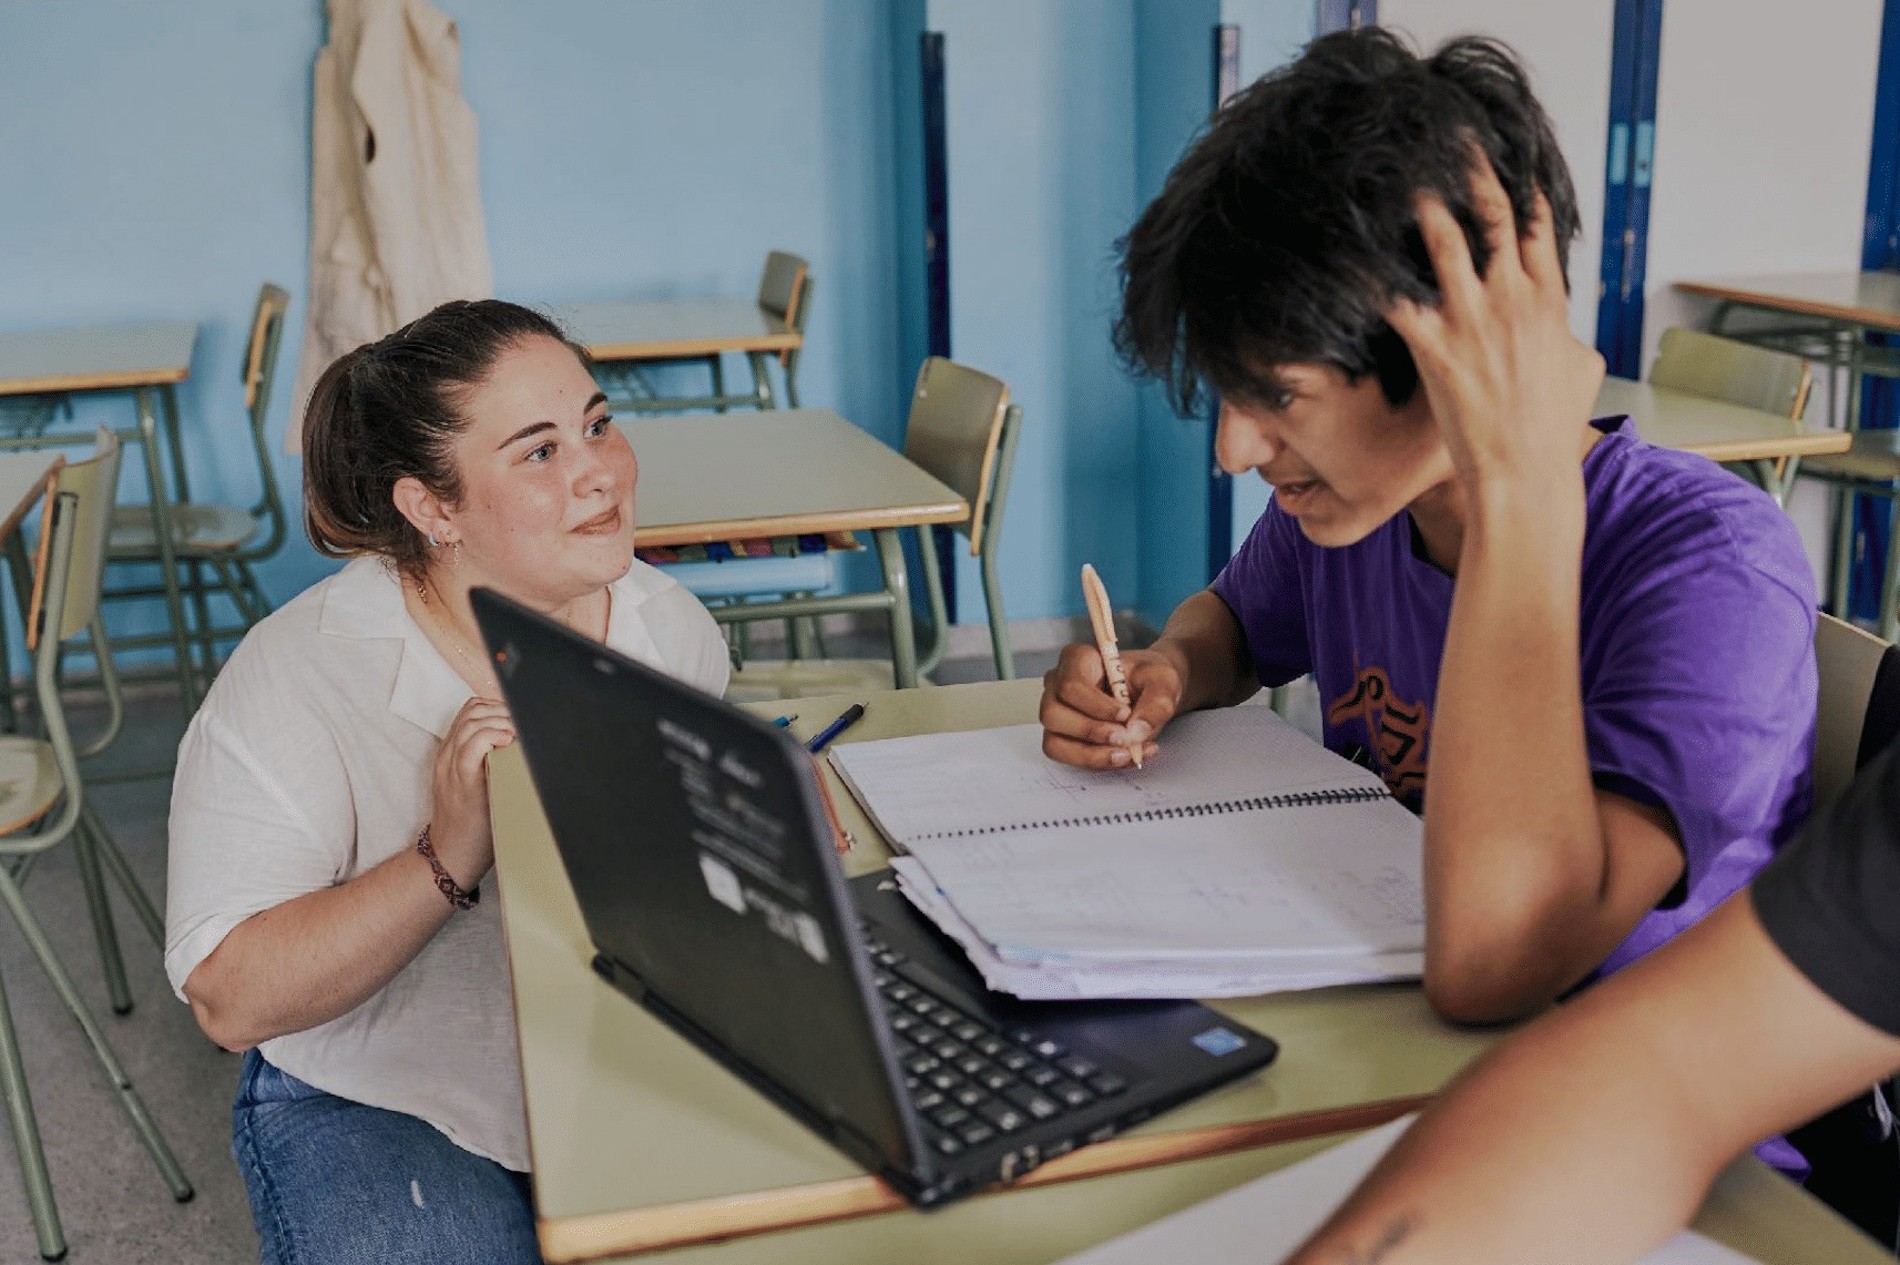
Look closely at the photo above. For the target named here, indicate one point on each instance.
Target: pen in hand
(1102, 619)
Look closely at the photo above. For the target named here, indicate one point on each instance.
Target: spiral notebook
(1244, 858)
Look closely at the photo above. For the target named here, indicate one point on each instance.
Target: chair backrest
(1859, 709)
(260, 352)
(260, 370)
(82, 493)
(785, 292)
(1738, 373)
(958, 420)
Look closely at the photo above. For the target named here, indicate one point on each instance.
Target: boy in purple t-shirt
(1587, 661)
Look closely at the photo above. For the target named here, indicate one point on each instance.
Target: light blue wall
(1272, 32)
(1175, 88)
(1041, 119)
(1174, 80)
(657, 149)
(158, 167)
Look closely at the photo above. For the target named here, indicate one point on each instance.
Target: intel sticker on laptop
(1219, 1041)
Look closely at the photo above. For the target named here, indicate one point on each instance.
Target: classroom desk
(684, 329)
(786, 473)
(149, 360)
(1720, 431)
(641, 1143)
(1824, 316)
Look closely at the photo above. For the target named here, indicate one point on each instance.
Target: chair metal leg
(1890, 584)
(761, 380)
(1842, 570)
(717, 364)
(26, 1140)
(999, 623)
(201, 608)
(104, 932)
(167, 557)
(108, 852)
(890, 554)
(142, 1122)
(933, 595)
(260, 604)
(804, 643)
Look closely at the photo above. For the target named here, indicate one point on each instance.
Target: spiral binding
(1297, 799)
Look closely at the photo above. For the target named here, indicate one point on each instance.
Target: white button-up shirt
(310, 762)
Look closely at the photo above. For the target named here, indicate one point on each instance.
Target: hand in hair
(1509, 385)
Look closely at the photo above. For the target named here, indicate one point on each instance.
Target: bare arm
(1531, 876)
(1594, 1134)
(322, 954)
(1200, 660)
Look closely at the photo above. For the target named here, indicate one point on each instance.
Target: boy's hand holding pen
(1101, 709)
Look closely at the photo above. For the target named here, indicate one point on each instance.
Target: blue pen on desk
(852, 715)
(783, 721)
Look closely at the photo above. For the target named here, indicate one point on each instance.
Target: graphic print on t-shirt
(1396, 731)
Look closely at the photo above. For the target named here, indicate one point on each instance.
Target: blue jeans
(334, 1181)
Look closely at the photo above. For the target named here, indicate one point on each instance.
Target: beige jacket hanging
(395, 202)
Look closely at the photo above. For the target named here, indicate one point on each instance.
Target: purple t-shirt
(1697, 643)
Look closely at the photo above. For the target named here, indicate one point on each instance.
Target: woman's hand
(1508, 383)
(459, 825)
(1083, 725)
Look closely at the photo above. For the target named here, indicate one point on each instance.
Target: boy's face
(1341, 459)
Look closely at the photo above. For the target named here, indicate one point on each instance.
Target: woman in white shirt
(330, 843)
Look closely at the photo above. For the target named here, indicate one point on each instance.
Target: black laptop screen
(694, 846)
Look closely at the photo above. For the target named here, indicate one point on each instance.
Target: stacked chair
(45, 806)
(217, 545)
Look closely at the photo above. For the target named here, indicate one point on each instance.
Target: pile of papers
(1245, 859)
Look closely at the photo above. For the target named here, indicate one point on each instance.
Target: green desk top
(668, 329)
(1717, 430)
(1867, 299)
(780, 472)
(638, 1139)
(104, 358)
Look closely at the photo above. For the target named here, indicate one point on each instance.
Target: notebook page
(1267, 1219)
(985, 779)
(1329, 879)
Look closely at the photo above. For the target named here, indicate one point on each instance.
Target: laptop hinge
(627, 981)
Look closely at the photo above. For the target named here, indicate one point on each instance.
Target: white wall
(1566, 47)
(1763, 130)
(1762, 136)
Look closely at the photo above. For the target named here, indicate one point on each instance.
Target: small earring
(433, 542)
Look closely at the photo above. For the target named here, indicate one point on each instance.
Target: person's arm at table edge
(1595, 1133)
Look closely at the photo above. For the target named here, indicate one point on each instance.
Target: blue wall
(1175, 91)
(158, 168)
(1041, 115)
(659, 149)
(1174, 83)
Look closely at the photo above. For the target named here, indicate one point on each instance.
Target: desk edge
(1845, 313)
(591, 1236)
(112, 380)
(816, 523)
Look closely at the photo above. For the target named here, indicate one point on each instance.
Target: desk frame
(153, 389)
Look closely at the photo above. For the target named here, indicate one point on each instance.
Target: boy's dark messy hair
(1288, 228)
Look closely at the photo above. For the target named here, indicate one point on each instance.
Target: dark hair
(1287, 229)
(390, 410)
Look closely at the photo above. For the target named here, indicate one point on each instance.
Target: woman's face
(546, 513)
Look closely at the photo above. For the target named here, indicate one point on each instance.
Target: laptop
(703, 862)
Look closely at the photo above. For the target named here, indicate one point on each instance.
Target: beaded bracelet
(444, 882)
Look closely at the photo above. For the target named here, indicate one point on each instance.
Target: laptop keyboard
(971, 1081)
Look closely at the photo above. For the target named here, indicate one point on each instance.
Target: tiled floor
(113, 1204)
